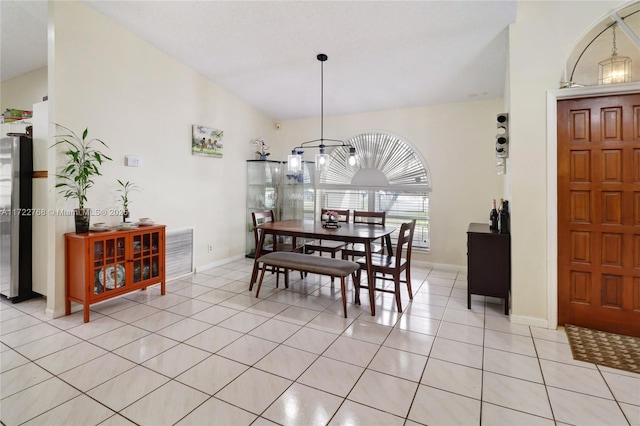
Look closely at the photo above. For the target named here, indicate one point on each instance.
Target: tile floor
(210, 353)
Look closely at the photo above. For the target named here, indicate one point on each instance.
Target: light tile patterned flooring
(209, 352)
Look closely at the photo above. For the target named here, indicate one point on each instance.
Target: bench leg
(343, 290)
(264, 268)
(333, 256)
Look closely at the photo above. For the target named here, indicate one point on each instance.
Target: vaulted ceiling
(382, 54)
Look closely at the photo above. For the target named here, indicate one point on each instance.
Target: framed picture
(206, 141)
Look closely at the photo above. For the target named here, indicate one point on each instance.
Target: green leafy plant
(82, 164)
(125, 189)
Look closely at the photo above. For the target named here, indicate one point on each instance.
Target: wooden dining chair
(391, 266)
(328, 246)
(356, 250)
(259, 218)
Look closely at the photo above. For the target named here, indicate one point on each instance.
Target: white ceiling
(23, 37)
(382, 54)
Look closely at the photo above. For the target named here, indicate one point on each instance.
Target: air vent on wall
(179, 252)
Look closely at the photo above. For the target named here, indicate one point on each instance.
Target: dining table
(361, 233)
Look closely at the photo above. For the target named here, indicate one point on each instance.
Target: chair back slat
(259, 218)
(343, 215)
(405, 242)
(371, 218)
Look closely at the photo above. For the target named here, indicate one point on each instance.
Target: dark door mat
(602, 348)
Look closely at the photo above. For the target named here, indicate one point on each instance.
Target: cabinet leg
(86, 312)
(468, 299)
(67, 307)
(506, 305)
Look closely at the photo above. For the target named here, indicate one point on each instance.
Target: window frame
(342, 195)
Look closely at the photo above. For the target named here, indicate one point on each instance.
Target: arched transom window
(390, 176)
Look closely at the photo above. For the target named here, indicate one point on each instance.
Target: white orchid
(262, 147)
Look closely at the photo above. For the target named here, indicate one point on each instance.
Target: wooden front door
(599, 213)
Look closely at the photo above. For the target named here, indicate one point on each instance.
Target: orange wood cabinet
(102, 265)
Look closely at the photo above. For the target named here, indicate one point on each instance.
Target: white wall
(542, 38)
(40, 200)
(141, 102)
(458, 143)
(23, 91)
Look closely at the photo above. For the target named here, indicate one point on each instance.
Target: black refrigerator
(16, 173)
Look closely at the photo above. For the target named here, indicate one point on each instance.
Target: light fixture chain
(614, 51)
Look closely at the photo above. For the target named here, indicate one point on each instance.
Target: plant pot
(125, 215)
(82, 218)
(263, 157)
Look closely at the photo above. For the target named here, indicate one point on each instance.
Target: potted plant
(262, 148)
(82, 163)
(124, 190)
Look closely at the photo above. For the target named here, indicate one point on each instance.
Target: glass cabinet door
(108, 264)
(269, 187)
(263, 181)
(297, 199)
(146, 256)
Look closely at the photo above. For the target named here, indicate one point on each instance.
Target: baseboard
(440, 266)
(50, 313)
(169, 279)
(530, 321)
(219, 263)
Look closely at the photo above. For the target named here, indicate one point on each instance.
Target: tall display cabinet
(269, 187)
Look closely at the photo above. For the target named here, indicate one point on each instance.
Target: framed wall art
(206, 141)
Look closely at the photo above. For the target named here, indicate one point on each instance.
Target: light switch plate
(132, 161)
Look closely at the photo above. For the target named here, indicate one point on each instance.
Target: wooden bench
(311, 264)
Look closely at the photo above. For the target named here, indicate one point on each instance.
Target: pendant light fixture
(616, 69)
(294, 161)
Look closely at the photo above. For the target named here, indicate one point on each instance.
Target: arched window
(390, 176)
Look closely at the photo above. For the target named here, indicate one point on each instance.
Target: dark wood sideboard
(488, 263)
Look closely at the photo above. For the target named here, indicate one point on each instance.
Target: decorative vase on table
(263, 157)
(125, 215)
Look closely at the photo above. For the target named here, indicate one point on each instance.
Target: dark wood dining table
(347, 232)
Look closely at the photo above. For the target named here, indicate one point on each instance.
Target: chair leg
(264, 268)
(286, 278)
(356, 287)
(407, 274)
(343, 290)
(277, 275)
(396, 283)
(252, 278)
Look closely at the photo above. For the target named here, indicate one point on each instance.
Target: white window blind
(390, 177)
